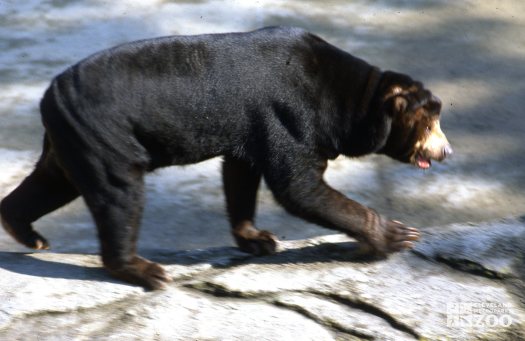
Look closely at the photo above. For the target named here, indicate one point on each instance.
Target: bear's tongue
(422, 162)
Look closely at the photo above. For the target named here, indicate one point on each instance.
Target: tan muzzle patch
(434, 146)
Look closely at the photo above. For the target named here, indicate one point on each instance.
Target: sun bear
(275, 103)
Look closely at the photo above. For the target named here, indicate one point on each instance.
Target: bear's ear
(396, 101)
(400, 104)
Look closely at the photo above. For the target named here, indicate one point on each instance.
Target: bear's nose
(447, 151)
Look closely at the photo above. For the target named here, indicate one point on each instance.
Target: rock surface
(462, 282)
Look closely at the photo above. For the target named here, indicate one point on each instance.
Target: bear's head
(415, 135)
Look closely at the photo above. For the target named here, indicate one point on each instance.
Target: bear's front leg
(297, 183)
(241, 181)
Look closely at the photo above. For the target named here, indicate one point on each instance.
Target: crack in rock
(355, 318)
(218, 290)
(464, 265)
(353, 307)
(471, 267)
(487, 250)
(376, 311)
(333, 324)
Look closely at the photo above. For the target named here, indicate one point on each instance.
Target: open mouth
(423, 162)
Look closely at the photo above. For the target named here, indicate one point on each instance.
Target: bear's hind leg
(116, 200)
(42, 192)
(241, 182)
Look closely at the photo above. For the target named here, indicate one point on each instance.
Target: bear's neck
(367, 126)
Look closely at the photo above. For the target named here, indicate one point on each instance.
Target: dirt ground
(469, 53)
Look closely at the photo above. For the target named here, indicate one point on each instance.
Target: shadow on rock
(45, 265)
(89, 267)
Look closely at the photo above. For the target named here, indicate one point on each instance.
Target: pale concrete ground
(463, 282)
(470, 53)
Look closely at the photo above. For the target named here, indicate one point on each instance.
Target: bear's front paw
(398, 236)
(254, 241)
(388, 236)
